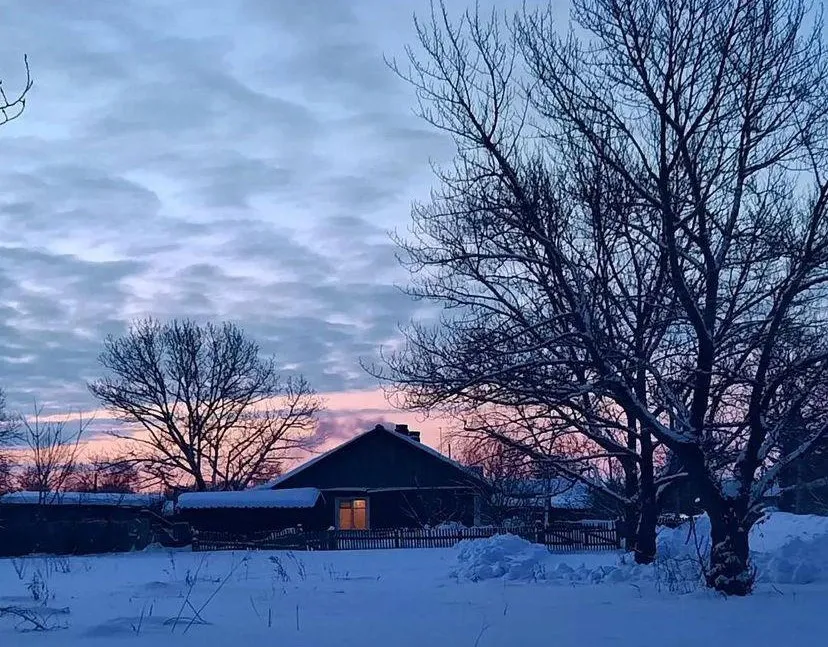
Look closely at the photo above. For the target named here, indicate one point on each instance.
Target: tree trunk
(629, 527)
(631, 508)
(730, 570)
(645, 552)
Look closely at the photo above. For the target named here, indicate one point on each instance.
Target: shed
(249, 510)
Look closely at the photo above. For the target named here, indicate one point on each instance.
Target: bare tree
(209, 408)
(7, 477)
(496, 460)
(101, 473)
(686, 136)
(52, 453)
(9, 428)
(475, 250)
(519, 486)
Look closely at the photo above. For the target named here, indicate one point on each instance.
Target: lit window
(353, 514)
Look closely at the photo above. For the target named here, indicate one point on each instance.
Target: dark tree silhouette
(208, 408)
(53, 451)
(634, 237)
(101, 473)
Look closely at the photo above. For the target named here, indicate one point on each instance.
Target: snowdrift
(505, 556)
(786, 549)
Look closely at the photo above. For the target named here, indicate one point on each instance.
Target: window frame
(337, 506)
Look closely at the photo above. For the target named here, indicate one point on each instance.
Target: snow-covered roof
(576, 498)
(562, 493)
(379, 428)
(730, 487)
(304, 497)
(82, 498)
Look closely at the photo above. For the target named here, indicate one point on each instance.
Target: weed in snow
(335, 574)
(197, 617)
(20, 566)
(171, 570)
(145, 613)
(39, 589)
(301, 569)
(60, 565)
(279, 569)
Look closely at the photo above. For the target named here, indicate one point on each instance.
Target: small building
(541, 501)
(251, 510)
(382, 478)
(76, 506)
(76, 522)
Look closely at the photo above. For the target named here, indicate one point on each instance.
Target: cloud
(240, 160)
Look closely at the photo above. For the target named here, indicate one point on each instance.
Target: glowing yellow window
(353, 514)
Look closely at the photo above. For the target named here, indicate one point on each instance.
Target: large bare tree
(209, 409)
(493, 272)
(635, 236)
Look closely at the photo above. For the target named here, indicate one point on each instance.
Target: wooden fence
(558, 537)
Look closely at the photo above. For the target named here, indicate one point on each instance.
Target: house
(382, 478)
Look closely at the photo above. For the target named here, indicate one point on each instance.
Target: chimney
(403, 430)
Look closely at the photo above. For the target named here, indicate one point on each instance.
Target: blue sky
(233, 159)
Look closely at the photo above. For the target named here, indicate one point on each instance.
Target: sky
(234, 160)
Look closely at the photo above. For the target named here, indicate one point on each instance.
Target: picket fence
(558, 537)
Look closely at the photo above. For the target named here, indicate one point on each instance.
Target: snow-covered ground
(493, 592)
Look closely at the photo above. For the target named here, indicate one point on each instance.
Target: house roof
(378, 429)
(82, 498)
(289, 498)
(563, 493)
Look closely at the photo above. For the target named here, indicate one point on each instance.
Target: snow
(82, 498)
(786, 549)
(504, 556)
(405, 598)
(772, 533)
(779, 528)
(287, 498)
(494, 592)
